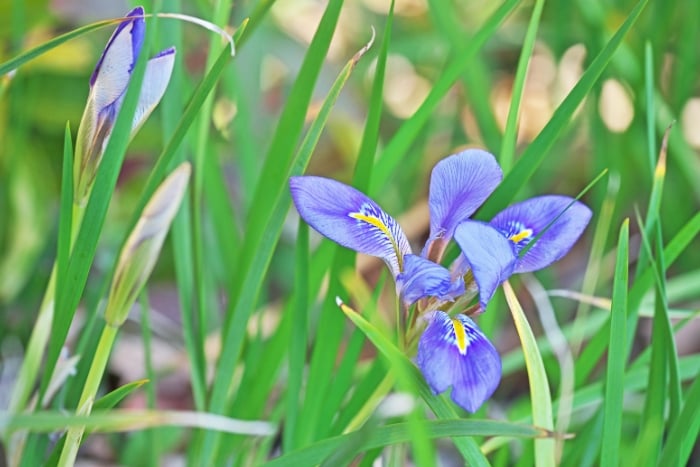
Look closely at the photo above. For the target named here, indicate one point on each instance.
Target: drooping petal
(459, 184)
(155, 81)
(489, 254)
(422, 278)
(113, 69)
(454, 352)
(350, 218)
(522, 222)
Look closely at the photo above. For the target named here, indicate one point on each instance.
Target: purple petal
(113, 70)
(454, 352)
(489, 254)
(423, 278)
(155, 81)
(523, 221)
(350, 218)
(459, 184)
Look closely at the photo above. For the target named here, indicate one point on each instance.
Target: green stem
(87, 398)
(41, 331)
(35, 349)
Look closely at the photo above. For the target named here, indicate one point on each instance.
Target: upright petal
(454, 352)
(350, 218)
(423, 278)
(155, 81)
(459, 184)
(113, 69)
(489, 254)
(522, 222)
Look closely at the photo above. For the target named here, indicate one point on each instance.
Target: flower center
(518, 234)
(460, 335)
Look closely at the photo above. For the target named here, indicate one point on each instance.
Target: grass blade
(401, 433)
(540, 397)
(683, 434)
(24, 57)
(265, 226)
(297, 343)
(537, 151)
(395, 151)
(617, 356)
(511, 132)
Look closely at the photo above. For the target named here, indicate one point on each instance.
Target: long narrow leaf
(400, 433)
(682, 438)
(614, 387)
(537, 151)
(395, 151)
(540, 397)
(259, 244)
(511, 132)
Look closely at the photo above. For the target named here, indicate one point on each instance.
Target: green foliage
(248, 359)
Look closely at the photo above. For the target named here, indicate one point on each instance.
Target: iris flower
(108, 85)
(452, 350)
(500, 248)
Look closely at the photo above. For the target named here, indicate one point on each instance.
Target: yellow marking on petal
(372, 220)
(461, 335)
(523, 234)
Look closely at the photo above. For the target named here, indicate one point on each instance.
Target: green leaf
(511, 132)
(683, 434)
(112, 398)
(394, 153)
(401, 433)
(617, 356)
(540, 397)
(537, 151)
(24, 57)
(65, 220)
(370, 137)
(598, 344)
(297, 343)
(270, 207)
(104, 403)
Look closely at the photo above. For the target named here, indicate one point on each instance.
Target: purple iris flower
(459, 184)
(108, 85)
(451, 351)
(500, 248)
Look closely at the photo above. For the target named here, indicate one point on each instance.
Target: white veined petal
(115, 69)
(155, 81)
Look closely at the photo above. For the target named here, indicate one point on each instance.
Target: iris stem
(87, 398)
